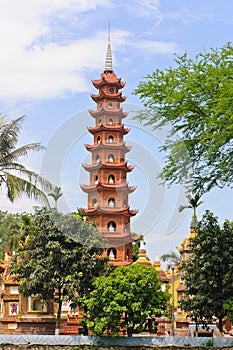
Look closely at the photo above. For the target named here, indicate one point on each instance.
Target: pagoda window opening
(110, 139)
(126, 226)
(111, 253)
(96, 179)
(94, 202)
(110, 121)
(111, 158)
(111, 179)
(99, 121)
(100, 105)
(111, 202)
(110, 105)
(111, 90)
(97, 158)
(125, 203)
(98, 139)
(127, 255)
(112, 226)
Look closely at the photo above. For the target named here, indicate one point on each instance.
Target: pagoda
(108, 189)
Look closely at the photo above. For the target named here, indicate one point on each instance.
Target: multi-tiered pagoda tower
(108, 189)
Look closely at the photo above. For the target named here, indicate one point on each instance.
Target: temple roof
(185, 245)
(115, 96)
(111, 211)
(108, 78)
(109, 112)
(108, 145)
(100, 186)
(106, 127)
(107, 165)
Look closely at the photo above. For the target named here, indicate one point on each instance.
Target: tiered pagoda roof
(107, 165)
(113, 211)
(107, 127)
(124, 187)
(108, 78)
(102, 111)
(108, 145)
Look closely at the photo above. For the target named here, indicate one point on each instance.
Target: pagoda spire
(108, 59)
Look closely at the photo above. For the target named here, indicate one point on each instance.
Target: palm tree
(14, 176)
(193, 203)
(171, 258)
(56, 194)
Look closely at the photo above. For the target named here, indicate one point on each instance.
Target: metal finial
(108, 60)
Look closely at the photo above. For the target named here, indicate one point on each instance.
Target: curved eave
(99, 146)
(118, 166)
(111, 211)
(117, 97)
(108, 78)
(100, 186)
(110, 112)
(105, 127)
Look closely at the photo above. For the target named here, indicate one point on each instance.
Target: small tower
(108, 189)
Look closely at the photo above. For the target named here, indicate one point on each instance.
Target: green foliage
(14, 177)
(59, 257)
(13, 228)
(208, 272)
(195, 98)
(128, 300)
(228, 306)
(171, 257)
(56, 194)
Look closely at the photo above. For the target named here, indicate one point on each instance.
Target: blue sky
(50, 52)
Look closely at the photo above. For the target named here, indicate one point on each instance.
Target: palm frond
(21, 152)
(16, 186)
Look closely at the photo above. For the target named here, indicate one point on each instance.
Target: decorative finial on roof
(108, 60)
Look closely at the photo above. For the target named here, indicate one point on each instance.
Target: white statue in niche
(111, 255)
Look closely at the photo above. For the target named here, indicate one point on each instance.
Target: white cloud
(157, 47)
(144, 8)
(31, 65)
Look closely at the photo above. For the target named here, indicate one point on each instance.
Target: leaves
(129, 298)
(195, 98)
(57, 260)
(207, 274)
(13, 175)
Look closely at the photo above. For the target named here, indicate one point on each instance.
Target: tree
(195, 98)
(56, 194)
(208, 271)
(13, 227)
(171, 257)
(229, 309)
(14, 176)
(193, 203)
(130, 299)
(61, 250)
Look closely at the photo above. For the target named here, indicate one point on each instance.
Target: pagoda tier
(102, 111)
(108, 78)
(124, 187)
(118, 97)
(108, 145)
(112, 166)
(105, 127)
(108, 189)
(111, 211)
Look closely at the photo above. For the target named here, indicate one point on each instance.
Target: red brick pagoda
(108, 189)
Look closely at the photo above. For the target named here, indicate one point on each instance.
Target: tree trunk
(130, 332)
(57, 329)
(220, 326)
